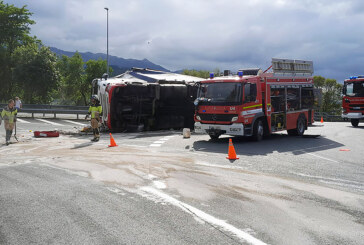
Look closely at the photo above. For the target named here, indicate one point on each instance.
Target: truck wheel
(214, 136)
(355, 122)
(301, 127)
(258, 130)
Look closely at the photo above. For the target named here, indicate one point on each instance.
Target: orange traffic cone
(112, 141)
(232, 153)
(322, 119)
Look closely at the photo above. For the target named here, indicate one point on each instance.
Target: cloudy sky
(209, 34)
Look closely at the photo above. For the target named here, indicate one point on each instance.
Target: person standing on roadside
(95, 111)
(18, 104)
(8, 114)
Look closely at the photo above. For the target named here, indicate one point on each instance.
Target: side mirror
(196, 102)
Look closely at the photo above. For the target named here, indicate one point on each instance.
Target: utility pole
(107, 39)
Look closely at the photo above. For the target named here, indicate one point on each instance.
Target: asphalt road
(159, 188)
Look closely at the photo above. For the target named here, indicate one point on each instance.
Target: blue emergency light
(240, 73)
(211, 75)
(353, 77)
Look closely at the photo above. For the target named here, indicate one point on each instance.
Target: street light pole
(107, 39)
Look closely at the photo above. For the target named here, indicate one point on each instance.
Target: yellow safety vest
(9, 115)
(94, 109)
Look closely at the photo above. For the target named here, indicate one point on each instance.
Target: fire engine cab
(353, 99)
(255, 103)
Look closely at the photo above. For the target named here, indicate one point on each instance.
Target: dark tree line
(29, 69)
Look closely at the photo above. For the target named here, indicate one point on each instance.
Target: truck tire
(301, 127)
(355, 122)
(214, 136)
(258, 130)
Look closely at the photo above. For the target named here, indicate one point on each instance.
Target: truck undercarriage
(152, 106)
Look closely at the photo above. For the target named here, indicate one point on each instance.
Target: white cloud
(209, 34)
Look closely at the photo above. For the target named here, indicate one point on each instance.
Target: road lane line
(327, 178)
(77, 123)
(161, 141)
(328, 159)
(350, 186)
(215, 222)
(49, 122)
(21, 120)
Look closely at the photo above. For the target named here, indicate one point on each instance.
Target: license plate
(214, 127)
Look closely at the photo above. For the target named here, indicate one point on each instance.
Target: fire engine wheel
(301, 127)
(258, 130)
(355, 122)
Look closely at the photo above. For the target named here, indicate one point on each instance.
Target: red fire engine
(353, 99)
(255, 103)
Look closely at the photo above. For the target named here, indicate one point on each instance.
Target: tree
(76, 78)
(35, 73)
(331, 94)
(72, 72)
(196, 73)
(94, 69)
(14, 28)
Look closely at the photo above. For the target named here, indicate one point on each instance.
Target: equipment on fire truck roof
(251, 71)
(292, 67)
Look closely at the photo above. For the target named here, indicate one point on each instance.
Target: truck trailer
(146, 99)
(256, 103)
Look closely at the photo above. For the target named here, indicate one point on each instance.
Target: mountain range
(119, 65)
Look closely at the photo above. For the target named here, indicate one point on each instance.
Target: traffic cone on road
(112, 141)
(322, 119)
(231, 153)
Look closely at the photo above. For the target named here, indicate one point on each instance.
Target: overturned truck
(145, 99)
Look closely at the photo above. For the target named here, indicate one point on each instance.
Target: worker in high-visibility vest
(8, 114)
(95, 111)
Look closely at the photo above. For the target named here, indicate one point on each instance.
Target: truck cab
(353, 99)
(225, 105)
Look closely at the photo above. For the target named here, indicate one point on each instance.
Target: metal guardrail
(52, 109)
(327, 117)
(83, 110)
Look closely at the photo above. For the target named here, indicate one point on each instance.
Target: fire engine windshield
(355, 89)
(220, 94)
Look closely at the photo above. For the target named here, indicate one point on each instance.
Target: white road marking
(159, 184)
(161, 141)
(328, 159)
(49, 122)
(351, 186)
(215, 222)
(327, 178)
(77, 123)
(21, 120)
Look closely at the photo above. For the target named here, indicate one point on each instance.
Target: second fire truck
(353, 99)
(255, 103)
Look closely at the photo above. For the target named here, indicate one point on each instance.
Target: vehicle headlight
(198, 118)
(234, 119)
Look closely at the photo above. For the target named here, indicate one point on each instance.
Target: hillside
(118, 64)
